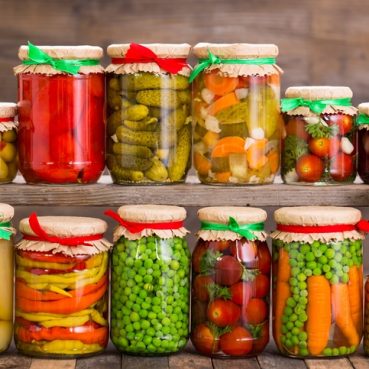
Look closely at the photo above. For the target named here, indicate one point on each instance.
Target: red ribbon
(41, 235)
(6, 119)
(362, 226)
(141, 54)
(134, 227)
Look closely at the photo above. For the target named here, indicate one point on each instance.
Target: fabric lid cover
(8, 110)
(221, 214)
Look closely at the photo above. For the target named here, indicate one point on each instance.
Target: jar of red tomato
(318, 146)
(362, 124)
(61, 95)
(230, 283)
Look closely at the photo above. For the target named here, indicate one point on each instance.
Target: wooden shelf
(188, 194)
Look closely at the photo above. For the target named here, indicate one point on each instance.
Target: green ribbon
(245, 230)
(213, 59)
(362, 119)
(38, 57)
(316, 106)
(5, 234)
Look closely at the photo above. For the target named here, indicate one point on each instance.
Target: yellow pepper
(28, 263)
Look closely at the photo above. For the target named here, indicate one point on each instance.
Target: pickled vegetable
(8, 155)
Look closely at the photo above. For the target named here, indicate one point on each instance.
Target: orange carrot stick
(222, 103)
(282, 293)
(356, 296)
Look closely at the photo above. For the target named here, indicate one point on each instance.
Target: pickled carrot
(223, 177)
(355, 296)
(280, 298)
(220, 85)
(228, 145)
(201, 163)
(222, 103)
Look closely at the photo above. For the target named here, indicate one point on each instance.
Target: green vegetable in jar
(122, 174)
(147, 124)
(294, 148)
(237, 113)
(236, 129)
(158, 172)
(150, 81)
(143, 138)
(136, 112)
(165, 99)
(132, 150)
(133, 162)
(177, 118)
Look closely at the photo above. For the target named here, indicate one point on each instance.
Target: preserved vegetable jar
(230, 283)
(363, 142)
(6, 275)
(317, 281)
(61, 287)
(366, 317)
(318, 145)
(61, 93)
(150, 280)
(149, 125)
(8, 142)
(236, 94)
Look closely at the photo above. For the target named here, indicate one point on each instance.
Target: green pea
(317, 271)
(345, 278)
(335, 351)
(329, 254)
(309, 256)
(327, 351)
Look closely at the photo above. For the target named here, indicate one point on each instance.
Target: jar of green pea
(150, 280)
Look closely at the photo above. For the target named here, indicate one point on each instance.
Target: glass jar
(366, 317)
(6, 276)
(149, 114)
(230, 283)
(150, 280)
(363, 142)
(61, 287)
(64, 112)
(236, 113)
(8, 142)
(317, 281)
(318, 147)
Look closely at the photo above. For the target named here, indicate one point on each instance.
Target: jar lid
(229, 51)
(161, 50)
(151, 213)
(319, 92)
(8, 110)
(317, 215)
(6, 212)
(364, 108)
(221, 214)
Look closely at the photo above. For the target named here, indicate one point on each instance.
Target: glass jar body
(319, 150)
(61, 128)
(150, 295)
(366, 317)
(8, 155)
(363, 154)
(317, 297)
(61, 304)
(237, 128)
(149, 133)
(230, 297)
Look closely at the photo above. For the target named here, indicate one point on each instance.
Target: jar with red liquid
(230, 283)
(61, 91)
(362, 125)
(318, 146)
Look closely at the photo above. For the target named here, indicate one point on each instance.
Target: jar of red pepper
(61, 93)
(362, 124)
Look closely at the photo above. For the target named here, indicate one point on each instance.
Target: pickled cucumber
(237, 129)
(143, 138)
(136, 112)
(114, 99)
(147, 124)
(3, 170)
(133, 162)
(165, 99)
(179, 162)
(8, 152)
(184, 96)
(10, 136)
(149, 81)
(234, 114)
(177, 118)
(134, 150)
(114, 84)
(220, 164)
(157, 112)
(122, 174)
(157, 172)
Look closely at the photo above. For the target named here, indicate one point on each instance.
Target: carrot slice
(223, 177)
(201, 163)
(256, 154)
(273, 158)
(220, 85)
(228, 145)
(223, 103)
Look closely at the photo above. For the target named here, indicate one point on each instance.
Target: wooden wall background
(321, 41)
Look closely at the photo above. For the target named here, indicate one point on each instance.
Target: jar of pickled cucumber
(150, 280)
(362, 124)
(61, 92)
(318, 281)
(8, 142)
(61, 287)
(236, 93)
(318, 146)
(231, 267)
(6, 275)
(149, 134)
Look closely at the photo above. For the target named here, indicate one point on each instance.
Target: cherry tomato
(320, 147)
(200, 287)
(197, 255)
(296, 127)
(204, 340)
(223, 313)
(244, 251)
(228, 270)
(342, 166)
(262, 340)
(255, 312)
(264, 258)
(238, 342)
(309, 168)
(344, 122)
(241, 293)
(260, 286)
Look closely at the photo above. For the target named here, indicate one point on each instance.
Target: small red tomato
(241, 293)
(296, 127)
(223, 313)
(244, 251)
(344, 122)
(260, 286)
(342, 167)
(238, 342)
(334, 146)
(264, 258)
(319, 147)
(309, 168)
(255, 312)
(262, 340)
(228, 270)
(197, 255)
(204, 340)
(200, 287)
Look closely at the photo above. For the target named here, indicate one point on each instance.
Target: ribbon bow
(213, 60)
(38, 57)
(5, 232)
(362, 119)
(41, 235)
(245, 230)
(140, 54)
(316, 106)
(135, 227)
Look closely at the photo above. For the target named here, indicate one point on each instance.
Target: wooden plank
(107, 360)
(359, 361)
(250, 363)
(271, 359)
(328, 363)
(52, 364)
(187, 360)
(137, 362)
(14, 361)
